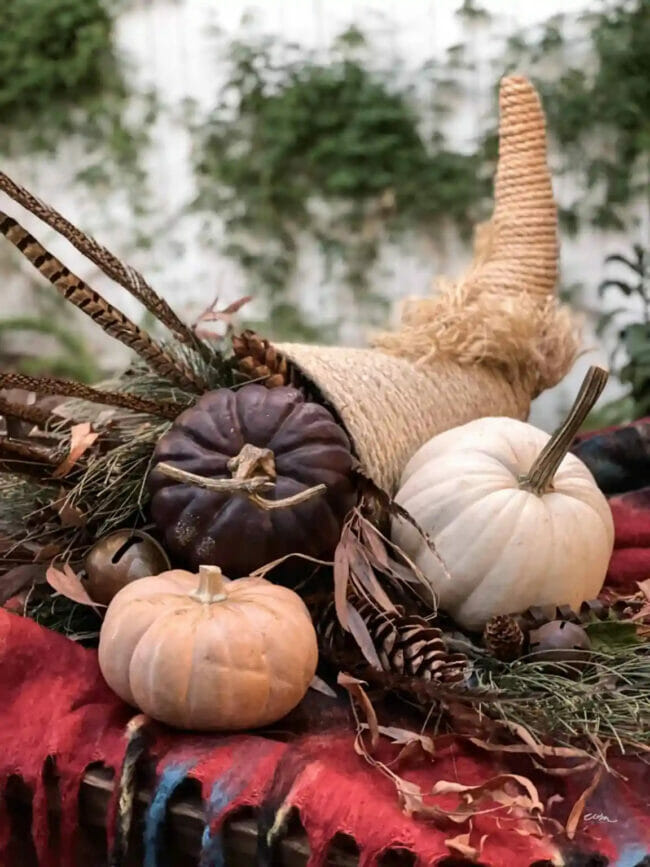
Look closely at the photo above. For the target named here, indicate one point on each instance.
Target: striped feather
(127, 277)
(111, 320)
(69, 388)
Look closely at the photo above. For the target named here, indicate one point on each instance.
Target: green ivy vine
(61, 78)
(60, 75)
(291, 133)
(593, 74)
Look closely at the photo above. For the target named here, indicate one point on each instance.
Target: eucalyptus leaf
(610, 635)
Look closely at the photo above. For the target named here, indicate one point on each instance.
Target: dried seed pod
(118, 559)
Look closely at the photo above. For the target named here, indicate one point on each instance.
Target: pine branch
(69, 388)
(125, 275)
(111, 320)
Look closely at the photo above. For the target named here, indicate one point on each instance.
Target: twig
(35, 415)
(221, 486)
(70, 388)
(251, 487)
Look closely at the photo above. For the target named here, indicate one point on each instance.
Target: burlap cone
(484, 346)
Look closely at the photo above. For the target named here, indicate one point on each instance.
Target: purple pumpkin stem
(253, 471)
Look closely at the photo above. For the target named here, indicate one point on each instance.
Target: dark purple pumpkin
(309, 448)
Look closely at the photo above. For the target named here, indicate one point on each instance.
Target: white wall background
(168, 47)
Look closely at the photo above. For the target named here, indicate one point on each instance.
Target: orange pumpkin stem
(539, 478)
(211, 585)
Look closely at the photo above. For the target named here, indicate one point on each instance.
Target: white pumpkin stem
(253, 471)
(211, 585)
(539, 479)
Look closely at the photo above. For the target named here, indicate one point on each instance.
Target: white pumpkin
(513, 530)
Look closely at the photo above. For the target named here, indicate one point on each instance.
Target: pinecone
(405, 643)
(503, 637)
(258, 359)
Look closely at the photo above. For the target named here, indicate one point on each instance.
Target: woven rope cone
(484, 346)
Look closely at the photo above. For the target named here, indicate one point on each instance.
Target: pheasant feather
(127, 277)
(111, 320)
(69, 388)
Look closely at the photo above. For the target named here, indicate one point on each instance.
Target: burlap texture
(390, 407)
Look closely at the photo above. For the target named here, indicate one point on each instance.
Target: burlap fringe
(528, 341)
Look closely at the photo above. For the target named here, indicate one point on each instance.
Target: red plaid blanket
(58, 717)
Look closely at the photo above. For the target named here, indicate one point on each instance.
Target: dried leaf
(534, 748)
(397, 511)
(405, 736)
(358, 695)
(578, 808)
(225, 316)
(418, 574)
(410, 753)
(402, 572)
(81, 439)
(415, 745)
(362, 572)
(68, 584)
(359, 632)
(412, 802)
(409, 794)
(644, 587)
(606, 635)
(18, 578)
(376, 547)
(493, 786)
(462, 845)
(523, 734)
(46, 552)
(341, 578)
(264, 570)
(70, 515)
(319, 685)
(566, 772)
(235, 306)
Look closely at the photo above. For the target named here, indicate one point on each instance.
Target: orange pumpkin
(201, 652)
